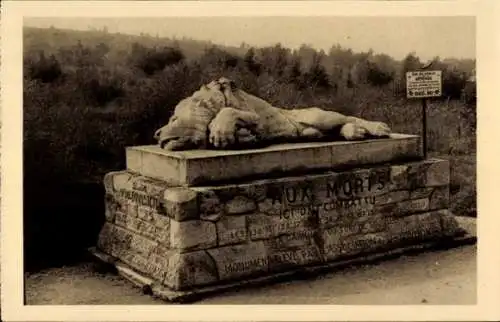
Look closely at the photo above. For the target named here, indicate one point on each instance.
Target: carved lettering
(140, 198)
(243, 266)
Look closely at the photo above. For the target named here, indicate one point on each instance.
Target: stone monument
(198, 213)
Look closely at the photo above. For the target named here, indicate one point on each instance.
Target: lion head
(188, 126)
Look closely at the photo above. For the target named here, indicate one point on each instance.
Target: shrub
(153, 60)
(44, 69)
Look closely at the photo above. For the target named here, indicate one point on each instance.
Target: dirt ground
(439, 277)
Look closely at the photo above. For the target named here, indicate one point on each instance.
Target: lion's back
(273, 121)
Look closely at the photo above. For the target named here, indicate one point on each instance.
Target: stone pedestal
(171, 224)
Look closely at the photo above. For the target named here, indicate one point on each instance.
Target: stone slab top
(202, 154)
(195, 167)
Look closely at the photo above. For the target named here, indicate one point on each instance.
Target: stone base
(466, 236)
(187, 238)
(195, 167)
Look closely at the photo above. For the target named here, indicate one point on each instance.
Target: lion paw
(378, 128)
(222, 129)
(351, 131)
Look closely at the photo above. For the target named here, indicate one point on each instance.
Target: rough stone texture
(203, 166)
(394, 196)
(333, 238)
(412, 206)
(240, 205)
(190, 269)
(210, 206)
(419, 193)
(260, 226)
(144, 228)
(231, 230)
(238, 261)
(426, 173)
(190, 237)
(192, 234)
(440, 198)
(437, 173)
(181, 203)
(363, 243)
(293, 250)
(415, 228)
(153, 268)
(449, 223)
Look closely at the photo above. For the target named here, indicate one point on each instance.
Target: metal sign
(422, 84)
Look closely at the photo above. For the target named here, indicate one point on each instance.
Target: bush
(153, 60)
(43, 69)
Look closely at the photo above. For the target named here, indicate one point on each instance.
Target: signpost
(424, 84)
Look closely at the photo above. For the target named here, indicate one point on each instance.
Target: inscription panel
(143, 228)
(240, 260)
(153, 268)
(322, 201)
(292, 250)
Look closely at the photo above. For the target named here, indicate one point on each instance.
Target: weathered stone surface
(328, 215)
(260, 226)
(437, 172)
(351, 213)
(364, 243)
(105, 238)
(156, 232)
(293, 220)
(256, 192)
(122, 181)
(108, 182)
(293, 250)
(449, 223)
(414, 175)
(142, 245)
(359, 183)
(237, 261)
(111, 206)
(270, 206)
(114, 241)
(134, 161)
(181, 203)
(375, 223)
(399, 176)
(149, 161)
(210, 206)
(131, 242)
(394, 196)
(240, 205)
(415, 228)
(156, 269)
(190, 269)
(440, 198)
(420, 193)
(203, 166)
(333, 239)
(231, 230)
(192, 235)
(412, 206)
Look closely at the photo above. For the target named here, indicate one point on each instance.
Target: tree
(250, 62)
(293, 71)
(317, 76)
(45, 69)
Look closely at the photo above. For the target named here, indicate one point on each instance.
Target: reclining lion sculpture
(220, 115)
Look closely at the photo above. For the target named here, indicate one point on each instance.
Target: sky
(451, 36)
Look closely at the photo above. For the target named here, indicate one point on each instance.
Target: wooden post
(424, 127)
